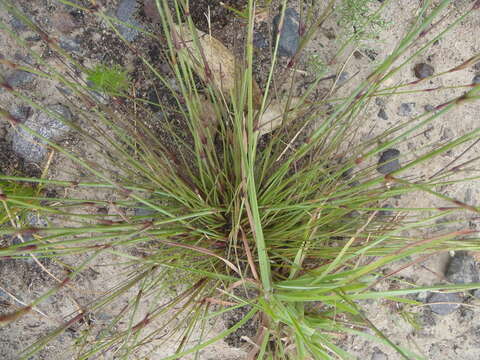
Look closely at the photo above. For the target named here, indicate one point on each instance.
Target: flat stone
(289, 35)
(388, 161)
(406, 109)
(452, 302)
(30, 147)
(126, 12)
(20, 79)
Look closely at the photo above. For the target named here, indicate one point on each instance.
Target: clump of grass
(111, 80)
(287, 229)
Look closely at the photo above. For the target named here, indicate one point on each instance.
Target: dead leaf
(273, 115)
(212, 61)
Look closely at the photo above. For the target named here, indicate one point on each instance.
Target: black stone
(476, 79)
(388, 161)
(462, 269)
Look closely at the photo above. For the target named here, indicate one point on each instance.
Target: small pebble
(388, 161)
(382, 114)
(429, 108)
(289, 36)
(406, 109)
(476, 79)
(423, 70)
(454, 301)
(20, 79)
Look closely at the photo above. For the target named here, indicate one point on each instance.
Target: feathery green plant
(286, 230)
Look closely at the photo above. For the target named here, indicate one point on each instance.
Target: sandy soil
(455, 336)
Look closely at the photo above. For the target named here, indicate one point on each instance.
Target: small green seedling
(111, 80)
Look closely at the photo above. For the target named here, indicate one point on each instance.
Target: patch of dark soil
(249, 329)
(13, 164)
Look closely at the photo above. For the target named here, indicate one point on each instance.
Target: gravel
(126, 12)
(406, 109)
(452, 302)
(30, 148)
(20, 79)
(423, 70)
(289, 36)
(388, 161)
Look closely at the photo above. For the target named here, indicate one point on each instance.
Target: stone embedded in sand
(406, 109)
(382, 114)
(289, 34)
(126, 12)
(423, 70)
(388, 161)
(450, 302)
(462, 269)
(28, 146)
(476, 79)
(20, 79)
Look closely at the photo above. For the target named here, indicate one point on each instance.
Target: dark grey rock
(20, 79)
(70, 44)
(378, 355)
(259, 40)
(462, 269)
(423, 70)
(452, 302)
(388, 161)
(28, 146)
(289, 35)
(476, 79)
(126, 12)
(382, 114)
(406, 109)
(429, 108)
